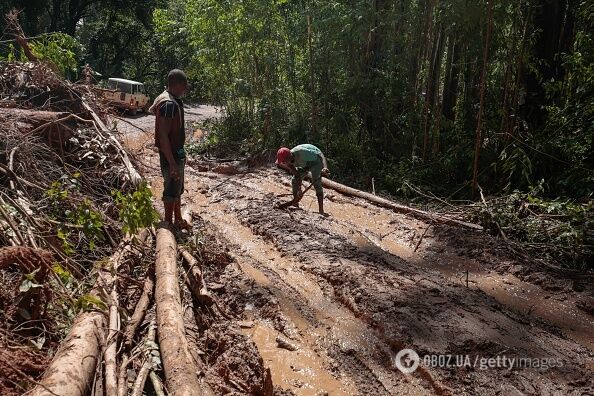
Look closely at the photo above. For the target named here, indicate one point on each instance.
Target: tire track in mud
(430, 325)
(322, 323)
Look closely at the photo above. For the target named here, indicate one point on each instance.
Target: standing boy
(170, 137)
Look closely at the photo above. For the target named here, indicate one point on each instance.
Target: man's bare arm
(164, 142)
(289, 168)
(324, 161)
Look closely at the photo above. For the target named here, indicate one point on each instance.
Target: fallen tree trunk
(180, 369)
(384, 203)
(72, 370)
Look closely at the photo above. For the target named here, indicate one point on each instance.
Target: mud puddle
(329, 325)
(398, 236)
(507, 289)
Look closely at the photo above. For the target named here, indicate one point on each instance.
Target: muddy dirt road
(329, 302)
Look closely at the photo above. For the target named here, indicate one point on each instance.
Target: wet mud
(327, 303)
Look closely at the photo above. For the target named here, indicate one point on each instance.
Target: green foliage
(516, 166)
(82, 215)
(349, 77)
(92, 224)
(89, 302)
(559, 229)
(136, 209)
(63, 273)
(64, 236)
(60, 49)
(29, 282)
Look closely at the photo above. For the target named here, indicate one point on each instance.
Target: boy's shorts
(316, 177)
(172, 189)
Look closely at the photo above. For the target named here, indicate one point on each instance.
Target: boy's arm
(324, 161)
(288, 167)
(325, 171)
(165, 144)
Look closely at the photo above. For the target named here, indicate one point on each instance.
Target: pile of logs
(96, 340)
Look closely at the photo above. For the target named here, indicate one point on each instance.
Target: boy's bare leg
(321, 205)
(177, 210)
(169, 211)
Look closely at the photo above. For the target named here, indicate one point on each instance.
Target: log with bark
(141, 307)
(109, 280)
(72, 369)
(138, 387)
(180, 369)
(384, 203)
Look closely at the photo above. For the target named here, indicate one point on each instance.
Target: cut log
(180, 369)
(110, 280)
(72, 369)
(384, 203)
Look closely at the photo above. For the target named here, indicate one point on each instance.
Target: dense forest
(447, 97)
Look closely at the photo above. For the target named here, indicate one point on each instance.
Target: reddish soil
(348, 292)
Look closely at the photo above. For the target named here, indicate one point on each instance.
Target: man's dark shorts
(172, 189)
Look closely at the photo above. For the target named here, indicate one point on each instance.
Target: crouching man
(170, 137)
(300, 161)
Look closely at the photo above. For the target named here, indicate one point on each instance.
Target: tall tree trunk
(312, 87)
(479, 123)
(436, 106)
(431, 89)
(419, 62)
(554, 20)
(450, 85)
(508, 124)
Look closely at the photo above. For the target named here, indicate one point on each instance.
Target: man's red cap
(282, 155)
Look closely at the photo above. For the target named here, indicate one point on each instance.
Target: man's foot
(324, 214)
(183, 225)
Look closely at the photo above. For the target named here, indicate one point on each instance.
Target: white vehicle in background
(126, 94)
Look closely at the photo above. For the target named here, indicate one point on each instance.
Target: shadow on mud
(417, 307)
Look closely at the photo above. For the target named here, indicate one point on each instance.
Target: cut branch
(141, 307)
(146, 367)
(196, 278)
